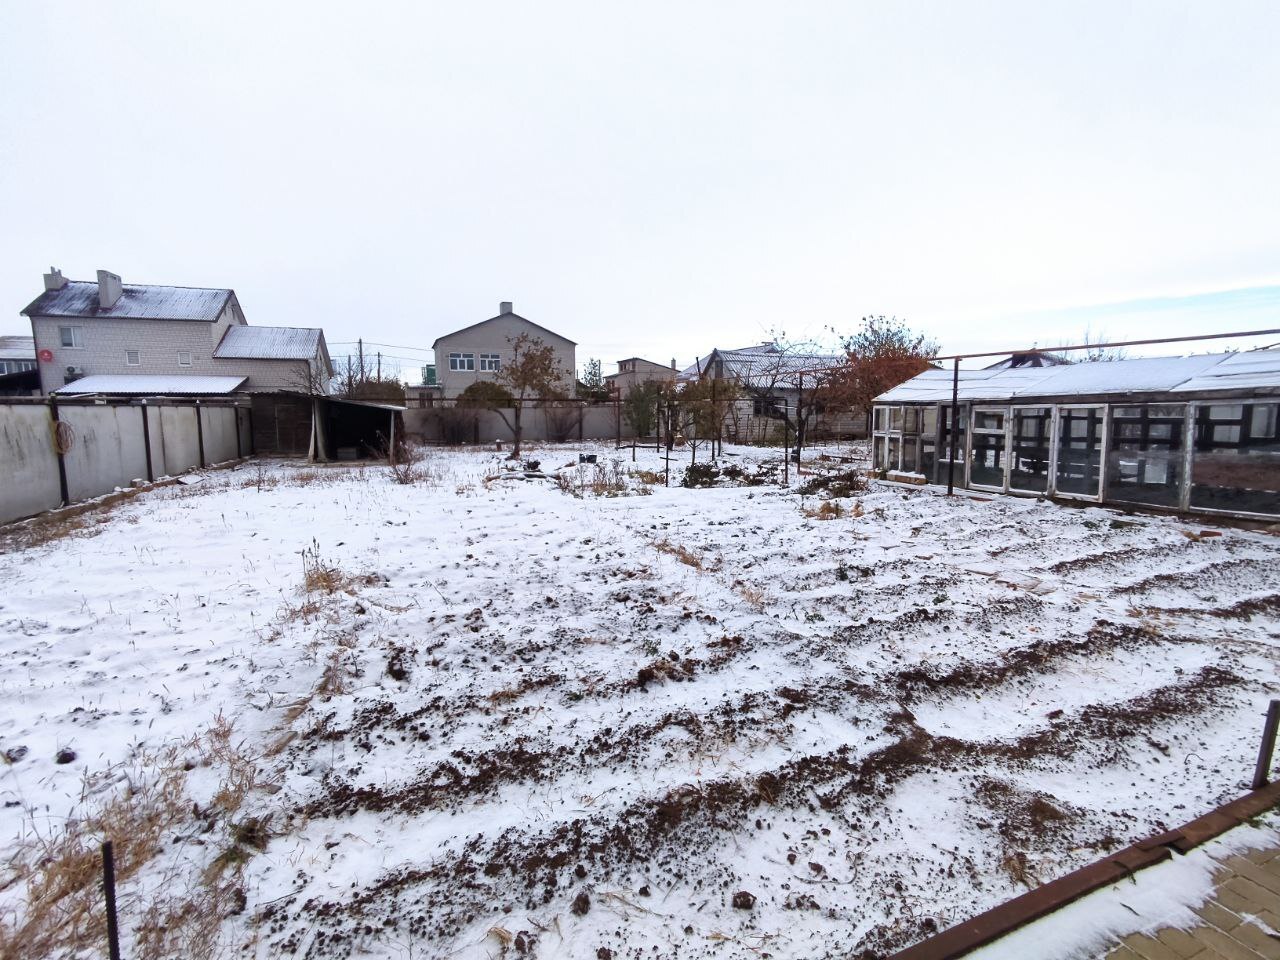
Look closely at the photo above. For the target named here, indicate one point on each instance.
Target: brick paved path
(1241, 921)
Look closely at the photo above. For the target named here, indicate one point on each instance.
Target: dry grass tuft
(827, 510)
(681, 553)
(137, 808)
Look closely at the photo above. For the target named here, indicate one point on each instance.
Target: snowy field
(324, 714)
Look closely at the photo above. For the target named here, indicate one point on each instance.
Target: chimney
(504, 306)
(109, 289)
(673, 364)
(54, 280)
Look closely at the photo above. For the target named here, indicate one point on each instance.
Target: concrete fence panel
(219, 434)
(181, 443)
(28, 463)
(555, 423)
(106, 449)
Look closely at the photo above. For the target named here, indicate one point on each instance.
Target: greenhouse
(1194, 433)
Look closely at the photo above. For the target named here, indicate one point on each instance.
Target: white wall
(28, 464)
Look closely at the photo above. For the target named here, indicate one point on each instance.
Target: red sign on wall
(46, 356)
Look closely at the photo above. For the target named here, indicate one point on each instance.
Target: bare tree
(1095, 353)
(530, 375)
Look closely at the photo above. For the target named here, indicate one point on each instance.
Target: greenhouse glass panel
(1144, 464)
(1236, 459)
(1080, 451)
(1029, 458)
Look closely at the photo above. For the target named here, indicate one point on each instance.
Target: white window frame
(462, 362)
(76, 335)
(490, 363)
(975, 412)
(186, 362)
(1051, 440)
(133, 358)
(1104, 441)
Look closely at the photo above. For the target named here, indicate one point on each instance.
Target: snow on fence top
(1256, 370)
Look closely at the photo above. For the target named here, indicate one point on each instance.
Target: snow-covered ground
(506, 719)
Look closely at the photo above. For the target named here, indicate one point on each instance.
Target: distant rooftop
(763, 365)
(17, 348)
(79, 298)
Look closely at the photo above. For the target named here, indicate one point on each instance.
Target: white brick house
(110, 328)
(478, 352)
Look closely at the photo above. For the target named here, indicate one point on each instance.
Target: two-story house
(634, 371)
(112, 337)
(478, 352)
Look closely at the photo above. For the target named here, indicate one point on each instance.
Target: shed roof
(1259, 369)
(269, 343)
(142, 385)
(79, 298)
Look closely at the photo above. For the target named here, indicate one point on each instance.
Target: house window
(184, 358)
(767, 407)
(488, 361)
(132, 358)
(72, 337)
(462, 361)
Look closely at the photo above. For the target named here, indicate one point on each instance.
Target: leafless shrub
(594, 479)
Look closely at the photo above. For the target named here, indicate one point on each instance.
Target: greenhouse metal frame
(1113, 432)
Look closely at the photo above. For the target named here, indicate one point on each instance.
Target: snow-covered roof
(79, 298)
(269, 343)
(1259, 369)
(142, 385)
(764, 365)
(17, 348)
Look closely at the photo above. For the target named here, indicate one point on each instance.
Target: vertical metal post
(955, 425)
(200, 433)
(146, 441)
(109, 894)
(235, 415)
(1262, 772)
(786, 446)
(391, 450)
(57, 449)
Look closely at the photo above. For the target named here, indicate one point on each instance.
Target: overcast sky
(655, 179)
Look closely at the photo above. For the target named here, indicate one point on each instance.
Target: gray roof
(79, 298)
(269, 343)
(1257, 370)
(141, 385)
(17, 348)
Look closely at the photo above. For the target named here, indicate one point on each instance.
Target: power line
(374, 343)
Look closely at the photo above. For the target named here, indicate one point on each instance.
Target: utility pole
(360, 350)
(379, 364)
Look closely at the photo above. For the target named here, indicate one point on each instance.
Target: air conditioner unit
(75, 371)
